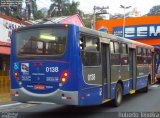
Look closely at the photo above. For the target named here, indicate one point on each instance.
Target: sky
(114, 5)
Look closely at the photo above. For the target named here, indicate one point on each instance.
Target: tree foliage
(63, 8)
(57, 8)
(155, 10)
(87, 19)
(37, 14)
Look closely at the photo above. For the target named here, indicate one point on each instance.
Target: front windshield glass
(42, 42)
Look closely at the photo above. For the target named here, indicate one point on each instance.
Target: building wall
(7, 24)
(144, 29)
(4, 78)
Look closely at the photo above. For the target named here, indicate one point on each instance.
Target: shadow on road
(105, 110)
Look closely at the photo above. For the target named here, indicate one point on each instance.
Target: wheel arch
(121, 83)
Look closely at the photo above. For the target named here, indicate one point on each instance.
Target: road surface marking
(19, 107)
(156, 85)
(8, 105)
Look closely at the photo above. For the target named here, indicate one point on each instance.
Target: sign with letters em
(138, 31)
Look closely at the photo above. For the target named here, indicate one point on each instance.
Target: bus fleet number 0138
(52, 69)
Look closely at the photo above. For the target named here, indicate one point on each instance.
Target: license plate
(39, 87)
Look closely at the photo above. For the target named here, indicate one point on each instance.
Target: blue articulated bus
(157, 61)
(71, 65)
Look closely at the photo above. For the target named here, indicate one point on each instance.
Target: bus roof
(113, 37)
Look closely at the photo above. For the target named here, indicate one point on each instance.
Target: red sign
(39, 87)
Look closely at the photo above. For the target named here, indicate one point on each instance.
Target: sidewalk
(9, 102)
(5, 98)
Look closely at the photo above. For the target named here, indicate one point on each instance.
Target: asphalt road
(136, 104)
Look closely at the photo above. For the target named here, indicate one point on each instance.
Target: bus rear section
(41, 69)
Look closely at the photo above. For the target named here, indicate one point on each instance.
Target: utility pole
(124, 18)
(98, 10)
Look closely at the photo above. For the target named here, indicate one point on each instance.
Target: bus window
(139, 56)
(90, 58)
(39, 47)
(157, 57)
(124, 48)
(111, 47)
(41, 42)
(90, 53)
(115, 55)
(91, 44)
(124, 54)
(148, 52)
(143, 51)
(144, 56)
(116, 46)
(115, 59)
(149, 56)
(81, 42)
(139, 51)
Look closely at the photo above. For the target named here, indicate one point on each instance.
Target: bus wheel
(118, 95)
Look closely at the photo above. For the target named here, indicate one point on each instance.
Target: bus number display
(52, 69)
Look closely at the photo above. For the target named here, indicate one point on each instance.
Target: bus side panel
(120, 73)
(127, 86)
(142, 76)
(115, 76)
(113, 87)
(157, 62)
(91, 96)
(158, 70)
(72, 54)
(91, 86)
(141, 82)
(125, 76)
(14, 84)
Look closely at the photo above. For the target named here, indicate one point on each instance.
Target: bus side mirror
(81, 43)
(97, 44)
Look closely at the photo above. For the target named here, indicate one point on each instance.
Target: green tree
(58, 7)
(73, 8)
(34, 7)
(63, 8)
(37, 14)
(88, 19)
(155, 10)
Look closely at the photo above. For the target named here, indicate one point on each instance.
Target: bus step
(107, 100)
(132, 91)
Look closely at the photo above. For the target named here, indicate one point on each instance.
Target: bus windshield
(43, 42)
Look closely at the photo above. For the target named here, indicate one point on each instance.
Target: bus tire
(118, 95)
(149, 79)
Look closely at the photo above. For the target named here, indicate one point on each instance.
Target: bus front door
(106, 81)
(132, 69)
